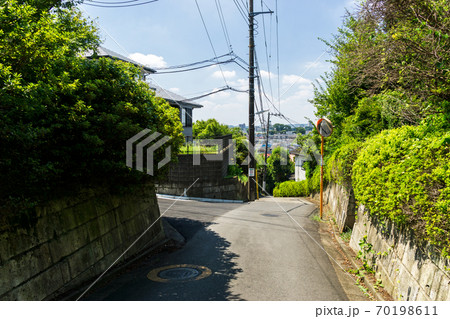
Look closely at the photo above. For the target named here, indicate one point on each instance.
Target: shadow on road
(203, 248)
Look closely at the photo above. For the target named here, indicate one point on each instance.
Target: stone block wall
(75, 240)
(408, 270)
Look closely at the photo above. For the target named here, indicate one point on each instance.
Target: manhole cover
(179, 273)
(182, 273)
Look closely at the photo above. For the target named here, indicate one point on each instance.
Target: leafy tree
(279, 168)
(300, 130)
(65, 119)
(211, 129)
(281, 128)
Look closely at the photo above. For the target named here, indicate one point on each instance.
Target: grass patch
(346, 235)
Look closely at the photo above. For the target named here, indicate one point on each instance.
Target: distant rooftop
(107, 53)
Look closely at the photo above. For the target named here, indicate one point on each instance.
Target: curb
(199, 199)
(172, 234)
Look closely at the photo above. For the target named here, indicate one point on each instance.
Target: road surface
(264, 250)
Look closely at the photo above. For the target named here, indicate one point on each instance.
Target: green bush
(279, 168)
(314, 181)
(403, 175)
(340, 164)
(65, 119)
(291, 189)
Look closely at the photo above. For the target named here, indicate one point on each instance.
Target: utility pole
(265, 152)
(251, 102)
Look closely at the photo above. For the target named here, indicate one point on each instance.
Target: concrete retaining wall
(342, 202)
(210, 177)
(73, 241)
(408, 271)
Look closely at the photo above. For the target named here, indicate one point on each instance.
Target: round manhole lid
(179, 273)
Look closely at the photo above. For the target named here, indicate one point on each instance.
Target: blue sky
(171, 32)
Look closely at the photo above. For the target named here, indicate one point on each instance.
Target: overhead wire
(268, 56)
(260, 89)
(210, 41)
(193, 63)
(125, 4)
(278, 55)
(245, 5)
(112, 2)
(215, 91)
(223, 24)
(197, 68)
(241, 11)
(128, 54)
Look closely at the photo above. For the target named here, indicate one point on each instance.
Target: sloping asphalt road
(254, 251)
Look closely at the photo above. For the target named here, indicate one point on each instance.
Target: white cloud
(266, 75)
(317, 67)
(175, 90)
(232, 107)
(295, 80)
(149, 60)
(226, 74)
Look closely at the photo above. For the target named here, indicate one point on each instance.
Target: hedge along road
(250, 251)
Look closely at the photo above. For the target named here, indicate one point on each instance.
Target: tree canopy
(65, 119)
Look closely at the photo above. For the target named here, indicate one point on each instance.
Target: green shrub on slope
(291, 189)
(403, 175)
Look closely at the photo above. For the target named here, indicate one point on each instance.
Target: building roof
(107, 53)
(173, 98)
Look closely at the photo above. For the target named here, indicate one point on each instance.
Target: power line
(241, 11)
(278, 54)
(210, 41)
(215, 91)
(260, 88)
(245, 6)
(116, 4)
(194, 63)
(267, 51)
(197, 68)
(224, 25)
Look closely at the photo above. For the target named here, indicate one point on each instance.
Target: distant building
(242, 127)
(300, 173)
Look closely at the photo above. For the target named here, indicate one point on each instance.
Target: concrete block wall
(408, 270)
(75, 240)
(209, 176)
